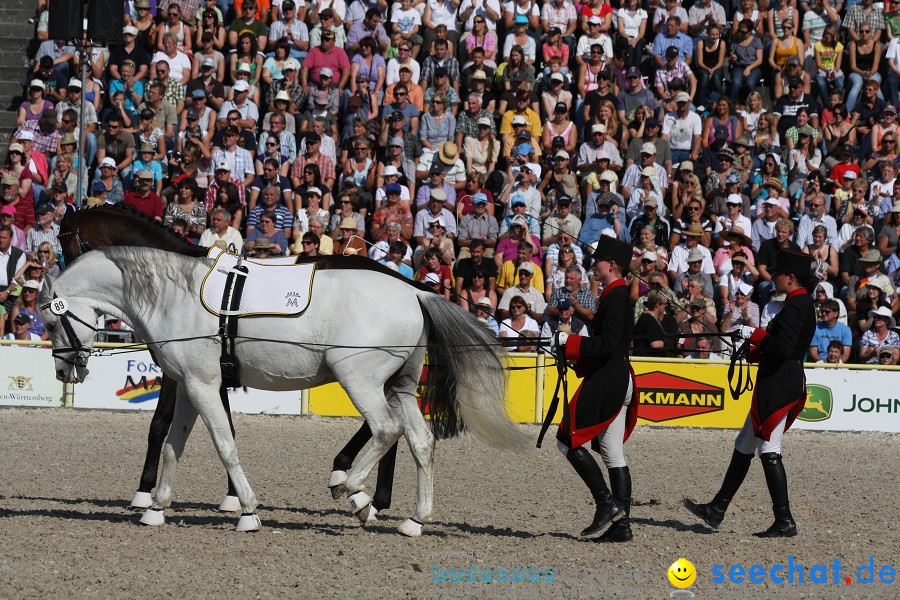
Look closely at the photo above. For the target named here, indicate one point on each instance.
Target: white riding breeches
(612, 442)
(747, 443)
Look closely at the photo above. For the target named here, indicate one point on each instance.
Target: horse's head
(69, 322)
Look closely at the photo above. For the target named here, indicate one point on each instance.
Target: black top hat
(612, 249)
(793, 263)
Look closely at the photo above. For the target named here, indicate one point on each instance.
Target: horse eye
(50, 327)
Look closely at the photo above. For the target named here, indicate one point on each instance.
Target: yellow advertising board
(681, 393)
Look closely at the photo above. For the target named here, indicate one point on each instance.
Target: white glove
(746, 332)
(561, 337)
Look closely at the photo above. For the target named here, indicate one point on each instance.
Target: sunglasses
(272, 144)
(308, 243)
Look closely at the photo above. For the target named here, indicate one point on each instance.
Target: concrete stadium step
(17, 30)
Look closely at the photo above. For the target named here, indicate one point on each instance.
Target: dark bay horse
(94, 228)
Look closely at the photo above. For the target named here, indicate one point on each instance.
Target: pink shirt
(336, 60)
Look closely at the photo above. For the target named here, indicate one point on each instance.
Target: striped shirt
(37, 236)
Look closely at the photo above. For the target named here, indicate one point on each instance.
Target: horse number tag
(59, 307)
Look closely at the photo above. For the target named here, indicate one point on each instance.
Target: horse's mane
(161, 236)
(146, 267)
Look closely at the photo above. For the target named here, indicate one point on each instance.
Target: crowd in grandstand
(482, 148)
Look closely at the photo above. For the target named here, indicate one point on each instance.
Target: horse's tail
(465, 380)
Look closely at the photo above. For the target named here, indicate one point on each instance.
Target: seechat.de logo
(664, 397)
(819, 403)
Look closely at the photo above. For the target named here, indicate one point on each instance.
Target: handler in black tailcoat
(603, 410)
(778, 396)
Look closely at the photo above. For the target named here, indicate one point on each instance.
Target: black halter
(76, 354)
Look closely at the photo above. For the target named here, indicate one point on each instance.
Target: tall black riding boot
(620, 484)
(776, 479)
(713, 513)
(607, 508)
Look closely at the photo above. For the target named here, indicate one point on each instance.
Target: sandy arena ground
(66, 477)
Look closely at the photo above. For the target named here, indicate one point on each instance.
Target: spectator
(830, 329)
(267, 232)
(741, 311)
(880, 336)
(655, 331)
(704, 350)
(20, 330)
(518, 323)
(565, 321)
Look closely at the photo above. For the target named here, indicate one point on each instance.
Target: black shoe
(620, 531)
(710, 514)
(780, 528)
(609, 512)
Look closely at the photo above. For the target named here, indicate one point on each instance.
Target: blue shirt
(590, 231)
(403, 268)
(682, 41)
(825, 334)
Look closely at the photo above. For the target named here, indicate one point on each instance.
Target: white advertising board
(28, 377)
(851, 400)
(132, 381)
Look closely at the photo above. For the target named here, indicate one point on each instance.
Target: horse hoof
(142, 500)
(249, 522)
(411, 528)
(230, 504)
(360, 502)
(373, 515)
(154, 517)
(336, 483)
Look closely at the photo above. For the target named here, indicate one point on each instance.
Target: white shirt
(405, 20)
(443, 13)
(631, 24)
(4, 261)
(680, 132)
(678, 259)
(231, 238)
(585, 42)
(479, 5)
(393, 71)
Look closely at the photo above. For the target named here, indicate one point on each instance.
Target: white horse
(366, 328)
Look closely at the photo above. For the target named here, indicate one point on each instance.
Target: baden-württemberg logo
(20, 383)
(819, 403)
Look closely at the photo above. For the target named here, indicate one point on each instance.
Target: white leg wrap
(336, 483)
(230, 504)
(142, 500)
(411, 528)
(249, 522)
(373, 515)
(337, 478)
(153, 516)
(359, 501)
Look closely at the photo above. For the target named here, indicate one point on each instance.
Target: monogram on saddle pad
(273, 286)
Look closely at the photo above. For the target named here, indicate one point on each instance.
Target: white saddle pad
(274, 286)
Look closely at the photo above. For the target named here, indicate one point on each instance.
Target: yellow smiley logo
(682, 573)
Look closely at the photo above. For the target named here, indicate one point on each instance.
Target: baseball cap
(129, 30)
(75, 83)
(207, 63)
(326, 72)
(392, 188)
(648, 148)
(198, 93)
(240, 86)
(517, 199)
(9, 210)
(397, 141)
(108, 162)
(671, 52)
(682, 97)
(98, 187)
(564, 304)
(480, 198)
(633, 72)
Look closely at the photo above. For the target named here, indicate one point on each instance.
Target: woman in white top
(632, 25)
(519, 324)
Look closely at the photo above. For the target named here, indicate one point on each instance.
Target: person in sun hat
(779, 394)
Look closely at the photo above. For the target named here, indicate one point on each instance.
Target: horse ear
(46, 294)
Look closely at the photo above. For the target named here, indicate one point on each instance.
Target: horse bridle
(83, 246)
(60, 307)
